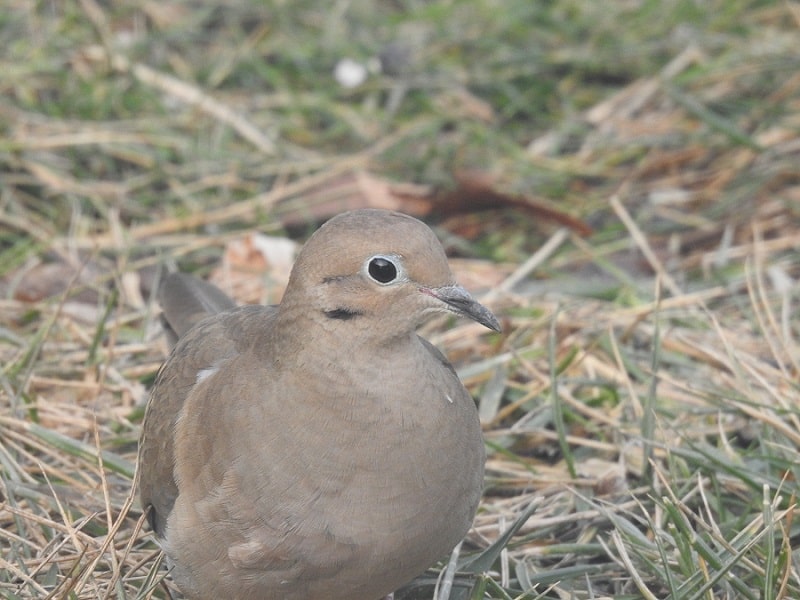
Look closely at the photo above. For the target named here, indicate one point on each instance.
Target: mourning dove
(319, 449)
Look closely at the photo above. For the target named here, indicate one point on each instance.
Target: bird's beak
(458, 300)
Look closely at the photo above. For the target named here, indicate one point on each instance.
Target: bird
(319, 448)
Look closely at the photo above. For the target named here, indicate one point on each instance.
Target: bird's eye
(382, 270)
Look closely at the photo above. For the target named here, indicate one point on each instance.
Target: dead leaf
(50, 279)
(358, 189)
(255, 268)
(478, 191)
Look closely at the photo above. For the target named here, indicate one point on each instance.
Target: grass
(642, 405)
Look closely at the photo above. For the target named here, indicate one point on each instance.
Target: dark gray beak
(458, 300)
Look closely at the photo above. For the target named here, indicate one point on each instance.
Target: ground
(618, 181)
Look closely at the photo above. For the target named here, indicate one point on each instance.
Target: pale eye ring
(384, 269)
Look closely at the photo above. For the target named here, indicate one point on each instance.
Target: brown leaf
(256, 268)
(46, 280)
(478, 191)
(357, 189)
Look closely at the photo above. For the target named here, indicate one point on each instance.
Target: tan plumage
(319, 449)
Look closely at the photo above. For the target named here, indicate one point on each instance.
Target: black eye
(382, 270)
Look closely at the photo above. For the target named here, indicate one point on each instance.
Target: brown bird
(319, 449)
